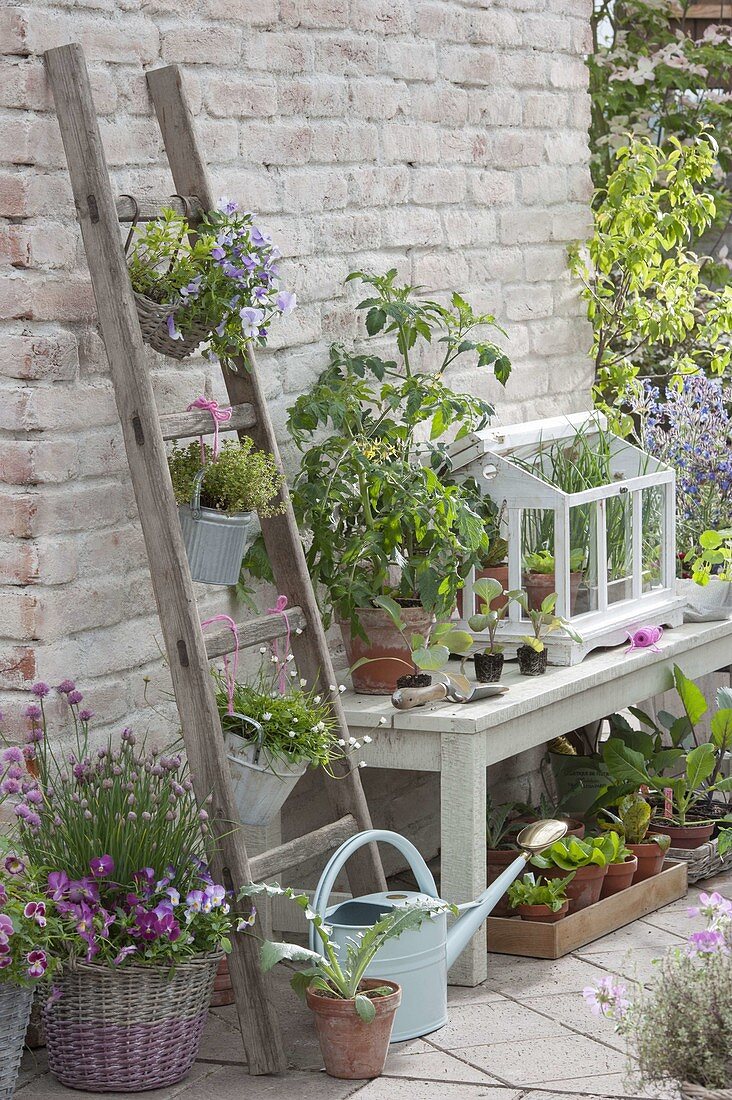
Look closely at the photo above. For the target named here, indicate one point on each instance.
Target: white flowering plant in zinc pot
(587, 515)
(275, 728)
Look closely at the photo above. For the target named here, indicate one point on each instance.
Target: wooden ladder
(144, 435)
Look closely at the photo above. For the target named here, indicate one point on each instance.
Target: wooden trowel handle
(406, 698)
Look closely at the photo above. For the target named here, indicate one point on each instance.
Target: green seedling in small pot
(532, 655)
(489, 663)
(542, 900)
(632, 819)
(587, 859)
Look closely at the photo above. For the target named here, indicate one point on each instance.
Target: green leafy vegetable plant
(570, 853)
(430, 653)
(713, 558)
(544, 622)
(239, 479)
(542, 561)
(334, 972)
(632, 821)
(488, 590)
(529, 890)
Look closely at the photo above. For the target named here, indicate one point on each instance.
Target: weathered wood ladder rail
(144, 434)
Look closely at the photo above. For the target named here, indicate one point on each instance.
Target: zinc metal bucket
(261, 782)
(706, 603)
(215, 542)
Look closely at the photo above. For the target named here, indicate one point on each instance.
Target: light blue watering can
(419, 960)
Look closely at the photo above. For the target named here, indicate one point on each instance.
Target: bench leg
(463, 846)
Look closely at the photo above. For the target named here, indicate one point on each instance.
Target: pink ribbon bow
(219, 416)
(279, 609)
(646, 637)
(229, 672)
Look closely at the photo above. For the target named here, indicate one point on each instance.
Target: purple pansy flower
(123, 954)
(251, 319)
(101, 866)
(172, 330)
(58, 884)
(37, 911)
(14, 865)
(3, 894)
(286, 301)
(6, 925)
(37, 963)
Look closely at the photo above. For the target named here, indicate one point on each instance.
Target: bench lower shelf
(512, 936)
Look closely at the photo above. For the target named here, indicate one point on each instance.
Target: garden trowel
(455, 689)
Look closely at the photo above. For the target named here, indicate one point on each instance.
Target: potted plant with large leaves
(354, 1015)
(373, 496)
(219, 496)
(501, 849)
(631, 818)
(492, 609)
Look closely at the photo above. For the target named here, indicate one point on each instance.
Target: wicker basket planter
(15, 1006)
(131, 1029)
(153, 318)
(702, 862)
(699, 1092)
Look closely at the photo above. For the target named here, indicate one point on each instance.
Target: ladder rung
(265, 628)
(302, 848)
(184, 425)
(149, 209)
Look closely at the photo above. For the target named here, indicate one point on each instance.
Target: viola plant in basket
(679, 1028)
(142, 925)
(215, 282)
(218, 493)
(29, 930)
(543, 900)
(354, 1015)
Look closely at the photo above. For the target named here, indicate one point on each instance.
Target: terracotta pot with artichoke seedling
(542, 900)
(489, 662)
(532, 655)
(632, 818)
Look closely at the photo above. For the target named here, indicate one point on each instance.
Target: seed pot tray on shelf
(512, 936)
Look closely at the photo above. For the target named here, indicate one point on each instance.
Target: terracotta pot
(223, 990)
(493, 572)
(619, 877)
(685, 836)
(352, 1049)
(386, 650)
(496, 863)
(542, 913)
(585, 887)
(530, 662)
(488, 667)
(650, 860)
(540, 585)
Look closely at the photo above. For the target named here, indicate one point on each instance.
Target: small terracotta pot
(585, 887)
(223, 990)
(650, 860)
(619, 877)
(352, 1049)
(493, 572)
(387, 652)
(684, 836)
(488, 667)
(496, 863)
(540, 585)
(542, 913)
(530, 662)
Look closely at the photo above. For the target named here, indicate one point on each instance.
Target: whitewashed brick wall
(445, 138)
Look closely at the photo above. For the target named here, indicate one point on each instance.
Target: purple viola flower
(607, 998)
(6, 925)
(227, 205)
(85, 928)
(5, 960)
(3, 894)
(195, 900)
(123, 954)
(251, 319)
(41, 690)
(247, 922)
(65, 687)
(706, 943)
(36, 910)
(258, 238)
(58, 885)
(83, 890)
(172, 330)
(144, 880)
(217, 252)
(14, 865)
(37, 963)
(54, 995)
(12, 755)
(101, 866)
(146, 926)
(286, 301)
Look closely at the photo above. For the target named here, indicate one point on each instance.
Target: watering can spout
(533, 839)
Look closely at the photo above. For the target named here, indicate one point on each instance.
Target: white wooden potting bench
(461, 741)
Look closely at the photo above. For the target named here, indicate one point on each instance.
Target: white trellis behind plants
(623, 532)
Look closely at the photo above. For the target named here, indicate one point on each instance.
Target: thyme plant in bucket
(218, 494)
(354, 1015)
(216, 282)
(143, 926)
(379, 515)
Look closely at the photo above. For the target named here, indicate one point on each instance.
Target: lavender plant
(119, 841)
(691, 430)
(221, 273)
(680, 1030)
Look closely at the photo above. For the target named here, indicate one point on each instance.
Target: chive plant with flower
(220, 275)
(121, 841)
(679, 1031)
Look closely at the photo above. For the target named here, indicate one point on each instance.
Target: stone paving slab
(525, 1034)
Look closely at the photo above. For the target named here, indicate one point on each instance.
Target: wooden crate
(512, 936)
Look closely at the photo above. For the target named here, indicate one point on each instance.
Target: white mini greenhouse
(586, 515)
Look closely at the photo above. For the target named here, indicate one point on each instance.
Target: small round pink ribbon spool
(645, 637)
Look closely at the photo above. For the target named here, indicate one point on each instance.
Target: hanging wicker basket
(128, 1029)
(699, 1092)
(15, 1006)
(153, 318)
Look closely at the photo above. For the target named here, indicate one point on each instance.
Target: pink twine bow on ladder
(279, 609)
(229, 672)
(219, 416)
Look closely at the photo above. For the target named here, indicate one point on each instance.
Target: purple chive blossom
(65, 687)
(33, 712)
(74, 697)
(32, 820)
(35, 797)
(607, 998)
(286, 301)
(102, 866)
(41, 690)
(12, 755)
(9, 786)
(86, 715)
(34, 735)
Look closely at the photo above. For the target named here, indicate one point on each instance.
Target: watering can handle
(335, 864)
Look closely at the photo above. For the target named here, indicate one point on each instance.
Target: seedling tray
(513, 936)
